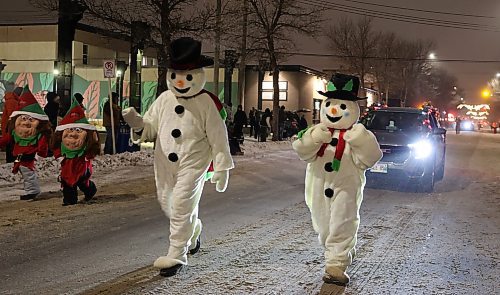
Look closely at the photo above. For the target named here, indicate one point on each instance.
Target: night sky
(451, 43)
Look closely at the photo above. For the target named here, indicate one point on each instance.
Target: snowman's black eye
(327, 104)
(172, 76)
(343, 106)
(189, 77)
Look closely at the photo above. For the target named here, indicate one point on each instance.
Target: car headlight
(467, 125)
(421, 149)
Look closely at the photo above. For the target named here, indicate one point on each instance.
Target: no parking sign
(109, 69)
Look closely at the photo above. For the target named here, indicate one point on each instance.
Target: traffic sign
(109, 68)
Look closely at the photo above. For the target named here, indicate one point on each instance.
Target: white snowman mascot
(186, 124)
(338, 152)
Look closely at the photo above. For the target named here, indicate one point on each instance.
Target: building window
(267, 90)
(85, 55)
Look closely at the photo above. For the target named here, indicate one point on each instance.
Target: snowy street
(257, 237)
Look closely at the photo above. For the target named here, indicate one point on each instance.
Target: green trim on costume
(33, 108)
(348, 86)
(223, 113)
(26, 141)
(301, 133)
(70, 154)
(336, 165)
(209, 175)
(330, 86)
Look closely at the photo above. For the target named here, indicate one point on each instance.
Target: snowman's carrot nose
(180, 84)
(333, 111)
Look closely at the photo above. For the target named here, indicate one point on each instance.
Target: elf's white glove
(220, 179)
(320, 134)
(133, 118)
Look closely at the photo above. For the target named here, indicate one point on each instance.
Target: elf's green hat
(29, 106)
(75, 118)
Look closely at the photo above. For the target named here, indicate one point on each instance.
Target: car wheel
(439, 175)
(426, 184)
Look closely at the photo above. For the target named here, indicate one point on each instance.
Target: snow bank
(49, 167)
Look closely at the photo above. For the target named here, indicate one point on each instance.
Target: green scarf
(70, 154)
(26, 141)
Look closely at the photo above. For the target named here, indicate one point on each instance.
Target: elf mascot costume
(30, 132)
(76, 143)
(185, 122)
(338, 152)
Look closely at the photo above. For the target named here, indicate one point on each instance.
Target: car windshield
(396, 121)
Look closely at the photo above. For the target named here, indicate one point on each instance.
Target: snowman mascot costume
(185, 122)
(338, 152)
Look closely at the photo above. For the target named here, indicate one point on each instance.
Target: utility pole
(70, 13)
(140, 33)
(230, 59)
(217, 47)
(243, 53)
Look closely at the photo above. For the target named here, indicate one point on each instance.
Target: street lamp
(56, 75)
(486, 93)
(498, 75)
(432, 55)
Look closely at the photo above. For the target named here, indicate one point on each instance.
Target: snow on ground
(49, 167)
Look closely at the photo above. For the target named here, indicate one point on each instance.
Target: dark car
(413, 144)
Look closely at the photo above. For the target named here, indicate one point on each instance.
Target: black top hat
(185, 54)
(343, 87)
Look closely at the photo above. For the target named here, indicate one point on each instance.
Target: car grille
(395, 154)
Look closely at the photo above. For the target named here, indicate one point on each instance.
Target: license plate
(379, 168)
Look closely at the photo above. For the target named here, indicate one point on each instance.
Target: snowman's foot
(171, 271)
(196, 247)
(336, 275)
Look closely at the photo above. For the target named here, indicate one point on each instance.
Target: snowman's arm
(306, 147)
(364, 147)
(216, 131)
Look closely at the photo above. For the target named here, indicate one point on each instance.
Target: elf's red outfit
(25, 155)
(76, 165)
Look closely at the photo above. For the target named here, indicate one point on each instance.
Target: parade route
(258, 237)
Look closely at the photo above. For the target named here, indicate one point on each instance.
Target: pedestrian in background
(240, 120)
(302, 123)
(251, 120)
(117, 117)
(457, 125)
(11, 104)
(52, 108)
(258, 117)
(79, 99)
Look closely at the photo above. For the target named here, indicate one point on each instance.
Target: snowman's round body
(338, 152)
(189, 134)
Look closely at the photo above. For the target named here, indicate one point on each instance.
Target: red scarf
(339, 149)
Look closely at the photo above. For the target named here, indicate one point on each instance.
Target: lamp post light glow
(56, 72)
(432, 55)
(486, 93)
(498, 75)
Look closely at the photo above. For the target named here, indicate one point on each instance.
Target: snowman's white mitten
(311, 141)
(363, 146)
(221, 179)
(133, 119)
(320, 134)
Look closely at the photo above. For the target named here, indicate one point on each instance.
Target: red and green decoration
(75, 118)
(28, 105)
